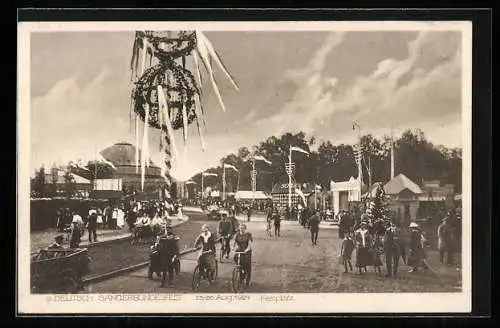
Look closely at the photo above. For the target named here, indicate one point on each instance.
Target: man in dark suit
(169, 253)
(314, 226)
(92, 227)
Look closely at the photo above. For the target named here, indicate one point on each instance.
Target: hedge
(43, 211)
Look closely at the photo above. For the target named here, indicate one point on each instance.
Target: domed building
(122, 156)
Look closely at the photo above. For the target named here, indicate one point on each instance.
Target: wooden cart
(59, 270)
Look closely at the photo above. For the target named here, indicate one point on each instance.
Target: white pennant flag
(262, 158)
(206, 174)
(299, 150)
(231, 167)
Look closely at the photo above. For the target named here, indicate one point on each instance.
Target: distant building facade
(122, 156)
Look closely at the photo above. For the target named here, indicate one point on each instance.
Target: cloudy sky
(318, 82)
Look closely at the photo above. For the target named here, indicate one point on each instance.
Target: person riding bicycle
(225, 230)
(242, 243)
(206, 257)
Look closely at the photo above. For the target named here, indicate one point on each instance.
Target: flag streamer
(178, 89)
(213, 55)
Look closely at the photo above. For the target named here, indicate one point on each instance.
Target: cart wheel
(221, 254)
(66, 283)
(237, 280)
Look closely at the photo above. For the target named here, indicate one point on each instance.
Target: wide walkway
(290, 263)
(42, 239)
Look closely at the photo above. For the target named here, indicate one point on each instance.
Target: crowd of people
(370, 238)
(150, 215)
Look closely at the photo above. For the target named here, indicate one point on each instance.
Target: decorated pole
(166, 95)
(254, 179)
(290, 178)
(392, 153)
(223, 182)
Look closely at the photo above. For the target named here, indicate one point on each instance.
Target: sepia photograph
(218, 167)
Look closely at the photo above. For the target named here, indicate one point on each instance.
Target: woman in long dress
(417, 253)
(363, 243)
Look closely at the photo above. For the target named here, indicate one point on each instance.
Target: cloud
(72, 122)
(431, 91)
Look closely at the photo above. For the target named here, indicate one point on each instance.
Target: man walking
(277, 223)
(249, 212)
(314, 227)
(92, 226)
(394, 249)
(169, 253)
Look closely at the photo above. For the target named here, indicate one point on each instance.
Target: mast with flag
(289, 172)
(205, 174)
(253, 173)
(392, 153)
(224, 166)
(358, 153)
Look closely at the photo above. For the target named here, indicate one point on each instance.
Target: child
(346, 251)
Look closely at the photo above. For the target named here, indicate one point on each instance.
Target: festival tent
(401, 183)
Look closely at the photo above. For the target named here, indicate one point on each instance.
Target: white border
(308, 303)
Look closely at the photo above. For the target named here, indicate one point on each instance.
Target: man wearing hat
(225, 230)
(416, 252)
(393, 248)
(58, 242)
(314, 226)
(169, 254)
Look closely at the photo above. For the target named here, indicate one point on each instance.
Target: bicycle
(268, 228)
(239, 273)
(203, 273)
(223, 251)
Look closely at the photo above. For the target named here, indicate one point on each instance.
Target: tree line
(414, 156)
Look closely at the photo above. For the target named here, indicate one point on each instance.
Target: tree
(97, 170)
(416, 157)
(69, 184)
(39, 182)
(378, 207)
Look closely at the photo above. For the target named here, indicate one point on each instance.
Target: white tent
(248, 194)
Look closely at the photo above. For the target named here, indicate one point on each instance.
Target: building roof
(60, 178)
(248, 194)
(399, 183)
(122, 154)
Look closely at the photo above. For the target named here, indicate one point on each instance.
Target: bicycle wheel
(236, 281)
(221, 253)
(196, 278)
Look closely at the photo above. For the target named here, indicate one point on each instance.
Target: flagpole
(360, 167)
(238, 184)
(290, 178)
(392, 153)
(202, 189)
(254, 179)
(223, 181)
